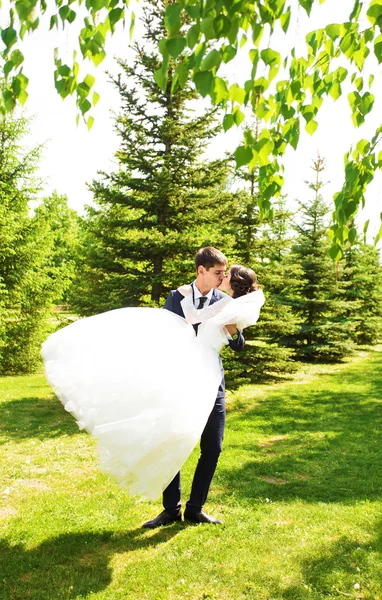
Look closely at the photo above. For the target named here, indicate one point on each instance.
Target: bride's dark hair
(243, 280)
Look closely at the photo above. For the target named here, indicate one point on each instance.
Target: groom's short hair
(209, 257)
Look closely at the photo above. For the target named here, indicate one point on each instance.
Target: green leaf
(203, 81)
(17, 57)
(193, 11)
(207, 27)
(236, 94)
(64, 71)
(243, 40)
(22, 97)
(213, 59)
(307, 4)
(8, 67)
(90, 122)
(233, 32)
(358, 82)
(273, 59)
(162, 45)
(311, 127)
(132, 25)
(350, 208)
(335, 252)
(193, 35)
(53, 22)
(228, 122)
(363, 147)
(243, 156)
(160, 77)
(352, 236)
(366, 103)
(341, 74)
(351, 172)
(378, 236)
(9, 37)
(172, 18)
(67, 14)
(89, 80)
(335, 90)
(96, 98)
(175, 46)
(84, 106)
(356, 11)
(219, 93)
(238, 116)
(374, 13)
(9, 101)
(264, 148)
(115, 15)
(229, 52)
(222, 26)
(378, 48)
(285, 20)
(333, 31)
(257, 33)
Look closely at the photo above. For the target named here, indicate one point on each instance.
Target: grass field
(299, 487)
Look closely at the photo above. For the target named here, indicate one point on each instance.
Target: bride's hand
(231, 329)
(185, 290)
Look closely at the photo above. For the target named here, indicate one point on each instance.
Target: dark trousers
(210, 448)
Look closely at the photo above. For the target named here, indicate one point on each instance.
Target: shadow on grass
(34, 418)
(336, 568)
(323, 442)
(70, 565)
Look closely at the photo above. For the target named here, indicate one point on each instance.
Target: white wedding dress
(142, 383)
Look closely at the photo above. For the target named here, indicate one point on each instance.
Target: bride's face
(225, 285)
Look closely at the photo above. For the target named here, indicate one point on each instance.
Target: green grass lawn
(299, 487)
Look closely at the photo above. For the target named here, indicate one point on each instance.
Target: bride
(118, 375)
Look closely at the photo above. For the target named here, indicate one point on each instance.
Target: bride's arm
(194, 315)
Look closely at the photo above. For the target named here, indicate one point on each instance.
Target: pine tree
(61, 225)
(164, 201)
(325, 330)
(360, 274)
(27, 285)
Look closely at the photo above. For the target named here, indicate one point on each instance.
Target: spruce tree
(360, 274)
(28, 286)
(324, 332)
(164, 201)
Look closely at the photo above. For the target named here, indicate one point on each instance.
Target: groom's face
(213, 276)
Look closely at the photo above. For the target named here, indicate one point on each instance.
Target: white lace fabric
(201, 315)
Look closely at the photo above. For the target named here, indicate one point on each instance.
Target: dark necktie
(202, 301)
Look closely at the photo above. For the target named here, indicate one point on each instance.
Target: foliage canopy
(283, 89)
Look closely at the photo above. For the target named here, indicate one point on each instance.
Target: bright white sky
(73, 155)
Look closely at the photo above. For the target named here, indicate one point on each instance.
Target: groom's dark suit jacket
(173, 304)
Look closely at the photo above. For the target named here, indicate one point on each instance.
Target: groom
(210, 266)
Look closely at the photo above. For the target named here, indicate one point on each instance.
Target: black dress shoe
(165, 518)
(201, 517)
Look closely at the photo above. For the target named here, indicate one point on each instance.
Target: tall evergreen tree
(61, 225)
(360, 273)
(324, 332)
(27, 285)
(164, 201)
